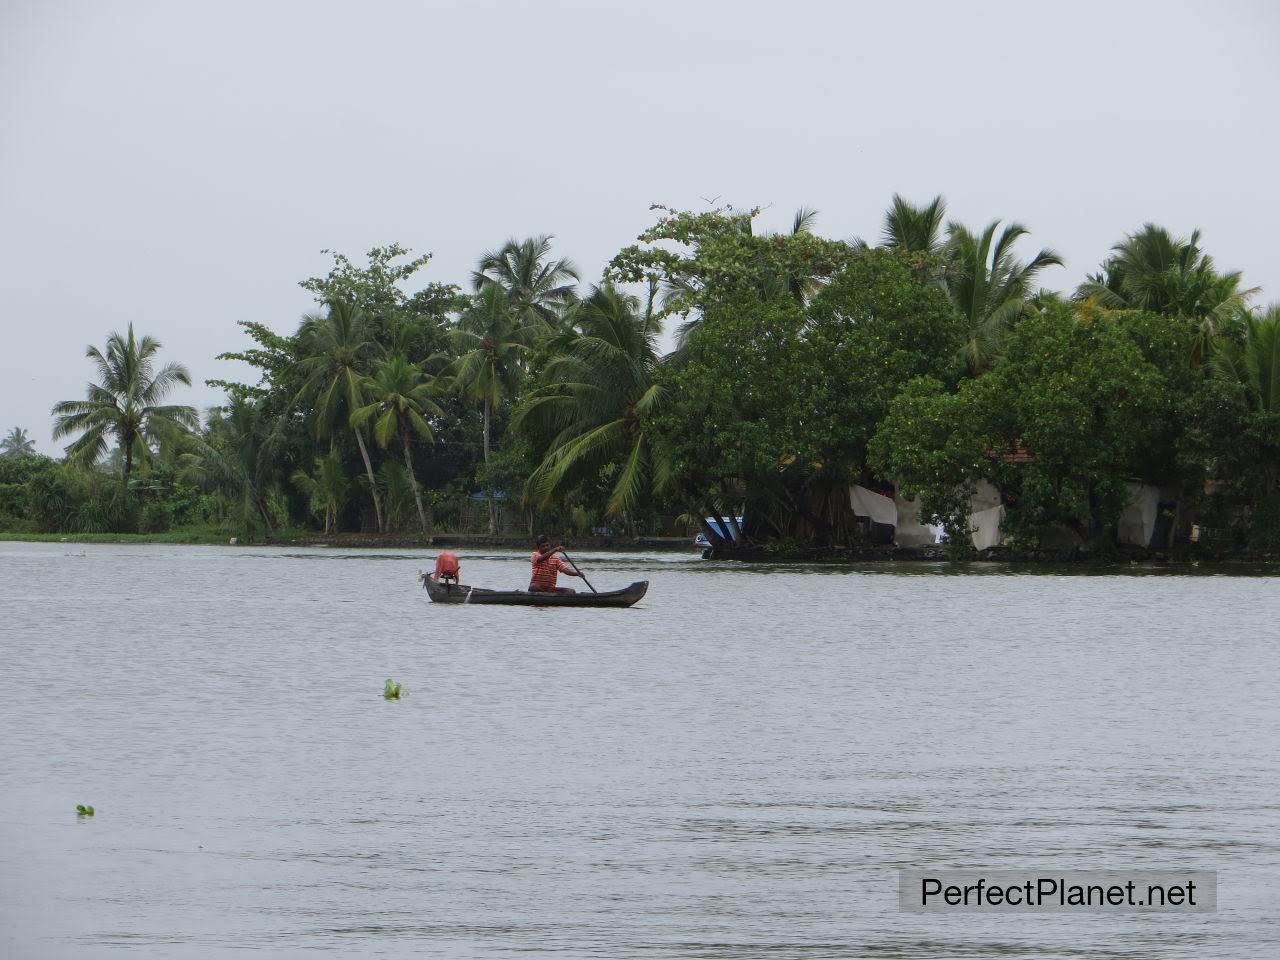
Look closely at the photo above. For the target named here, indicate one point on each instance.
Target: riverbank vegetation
(924, 366)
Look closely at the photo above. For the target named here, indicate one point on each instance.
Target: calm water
(735, 768)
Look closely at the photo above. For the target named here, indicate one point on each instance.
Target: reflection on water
(736, 767)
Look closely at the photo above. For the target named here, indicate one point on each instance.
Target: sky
(181, 166)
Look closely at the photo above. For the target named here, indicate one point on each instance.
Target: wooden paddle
(579, 572)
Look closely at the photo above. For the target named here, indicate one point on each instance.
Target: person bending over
(448, 568)
(546, 565)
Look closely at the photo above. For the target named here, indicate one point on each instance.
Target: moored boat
(461, 593)
(730, 534)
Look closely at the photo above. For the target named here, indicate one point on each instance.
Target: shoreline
(362, 541)
(1188, 557)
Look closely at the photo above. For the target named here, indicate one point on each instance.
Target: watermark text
(1043, 891)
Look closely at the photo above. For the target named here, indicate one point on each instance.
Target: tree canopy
(801, 366)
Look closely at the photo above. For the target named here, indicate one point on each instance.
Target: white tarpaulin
(985, 525)
(984, 497)
(867, 503)
(910, 532)
(1138, 521)
(985, 514)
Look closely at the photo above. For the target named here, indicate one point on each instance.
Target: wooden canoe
(461, 593)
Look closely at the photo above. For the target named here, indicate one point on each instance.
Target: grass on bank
(188, 535)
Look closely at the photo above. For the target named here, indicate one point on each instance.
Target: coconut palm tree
(339, 354)
(989, 285)
(400, 401)
(1255, 362)
(912, 228)
(327, 491)
(125, 404)
(597, 399)
(1153, 270)
(537, 287)
(17, 444)
(235, 455)
(492, 343)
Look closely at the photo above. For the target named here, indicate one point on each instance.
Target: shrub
(156, 517)
(13, 504)
(53, 501)
(109, 508)
(1264, 530)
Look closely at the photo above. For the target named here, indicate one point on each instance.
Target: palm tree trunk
(246, 513)
(373, 484)
(493, 510)
(413, 480)
(128, 459)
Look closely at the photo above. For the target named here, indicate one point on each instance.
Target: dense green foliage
(926, 366)
(1099, 403)
(775, 403)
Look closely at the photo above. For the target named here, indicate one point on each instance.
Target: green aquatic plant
(84, 810)
(392, 691)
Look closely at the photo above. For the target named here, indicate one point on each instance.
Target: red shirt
(447, 565)
(545, 571)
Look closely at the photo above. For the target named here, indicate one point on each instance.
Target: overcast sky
(181, 165)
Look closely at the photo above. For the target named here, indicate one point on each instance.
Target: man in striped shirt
(546, 565)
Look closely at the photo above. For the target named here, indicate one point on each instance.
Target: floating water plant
(392, 691)
(84, 810)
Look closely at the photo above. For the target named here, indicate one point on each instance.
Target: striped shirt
(545, 570)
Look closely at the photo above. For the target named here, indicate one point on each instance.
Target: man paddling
(546, 565)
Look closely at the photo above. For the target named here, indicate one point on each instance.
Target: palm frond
(385, 428)
(804, 220)
(629, 486)
(912, 228)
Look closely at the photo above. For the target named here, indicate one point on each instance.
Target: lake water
(735, 768)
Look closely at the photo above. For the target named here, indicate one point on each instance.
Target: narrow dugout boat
(461, 593)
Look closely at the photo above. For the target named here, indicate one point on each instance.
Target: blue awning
(726, 534)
